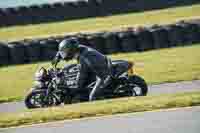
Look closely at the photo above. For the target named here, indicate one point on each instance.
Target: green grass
(9, 99)
(164, 16)
(100, 108)
(157, 66)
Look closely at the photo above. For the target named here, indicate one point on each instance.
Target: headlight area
(39, 84)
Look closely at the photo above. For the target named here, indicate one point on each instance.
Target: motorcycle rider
(92, 63)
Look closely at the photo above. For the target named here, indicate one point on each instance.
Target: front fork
(51, 87)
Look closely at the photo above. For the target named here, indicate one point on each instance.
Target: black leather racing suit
(93, 64)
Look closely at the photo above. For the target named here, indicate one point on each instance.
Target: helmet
(68, 47)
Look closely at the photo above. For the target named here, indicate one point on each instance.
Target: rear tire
(140, 83)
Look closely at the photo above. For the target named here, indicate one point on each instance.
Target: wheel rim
(136, 90)
(38, 100)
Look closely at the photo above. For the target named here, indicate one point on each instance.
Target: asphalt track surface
(185, 120)
(167, 88)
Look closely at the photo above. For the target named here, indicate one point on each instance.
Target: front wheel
(137, 86)
(38, 99)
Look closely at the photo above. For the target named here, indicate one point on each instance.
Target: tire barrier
(176, 35)
(129, 40)
(112, 43)
(191, 33)
(80, 9)
(145, 39)
(4, 54)
(97, 41)
(160, 37)
(197, 29)
(111, 7)
(3, 18)
(17, 53)
(48, 49)
(26, 15)
(8, 17)
(33, 50)
(82, 38)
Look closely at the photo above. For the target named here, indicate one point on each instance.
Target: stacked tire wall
(81, 9)
(130, 40)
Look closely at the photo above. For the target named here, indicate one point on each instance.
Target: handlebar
(56, 60)
(54, 63)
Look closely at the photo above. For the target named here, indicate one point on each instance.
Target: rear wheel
(38, 99)
(137, 86)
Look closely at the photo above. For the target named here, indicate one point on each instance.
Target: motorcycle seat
(119, 67)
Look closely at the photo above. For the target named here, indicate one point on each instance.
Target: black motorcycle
(55, 86)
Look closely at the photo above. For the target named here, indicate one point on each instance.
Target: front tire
(138, 85)
(36, 99)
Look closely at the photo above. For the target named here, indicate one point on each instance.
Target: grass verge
(164, 16)
(157, 66)
(9, 99)
(100, 108)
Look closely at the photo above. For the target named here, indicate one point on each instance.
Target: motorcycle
(55, 86)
